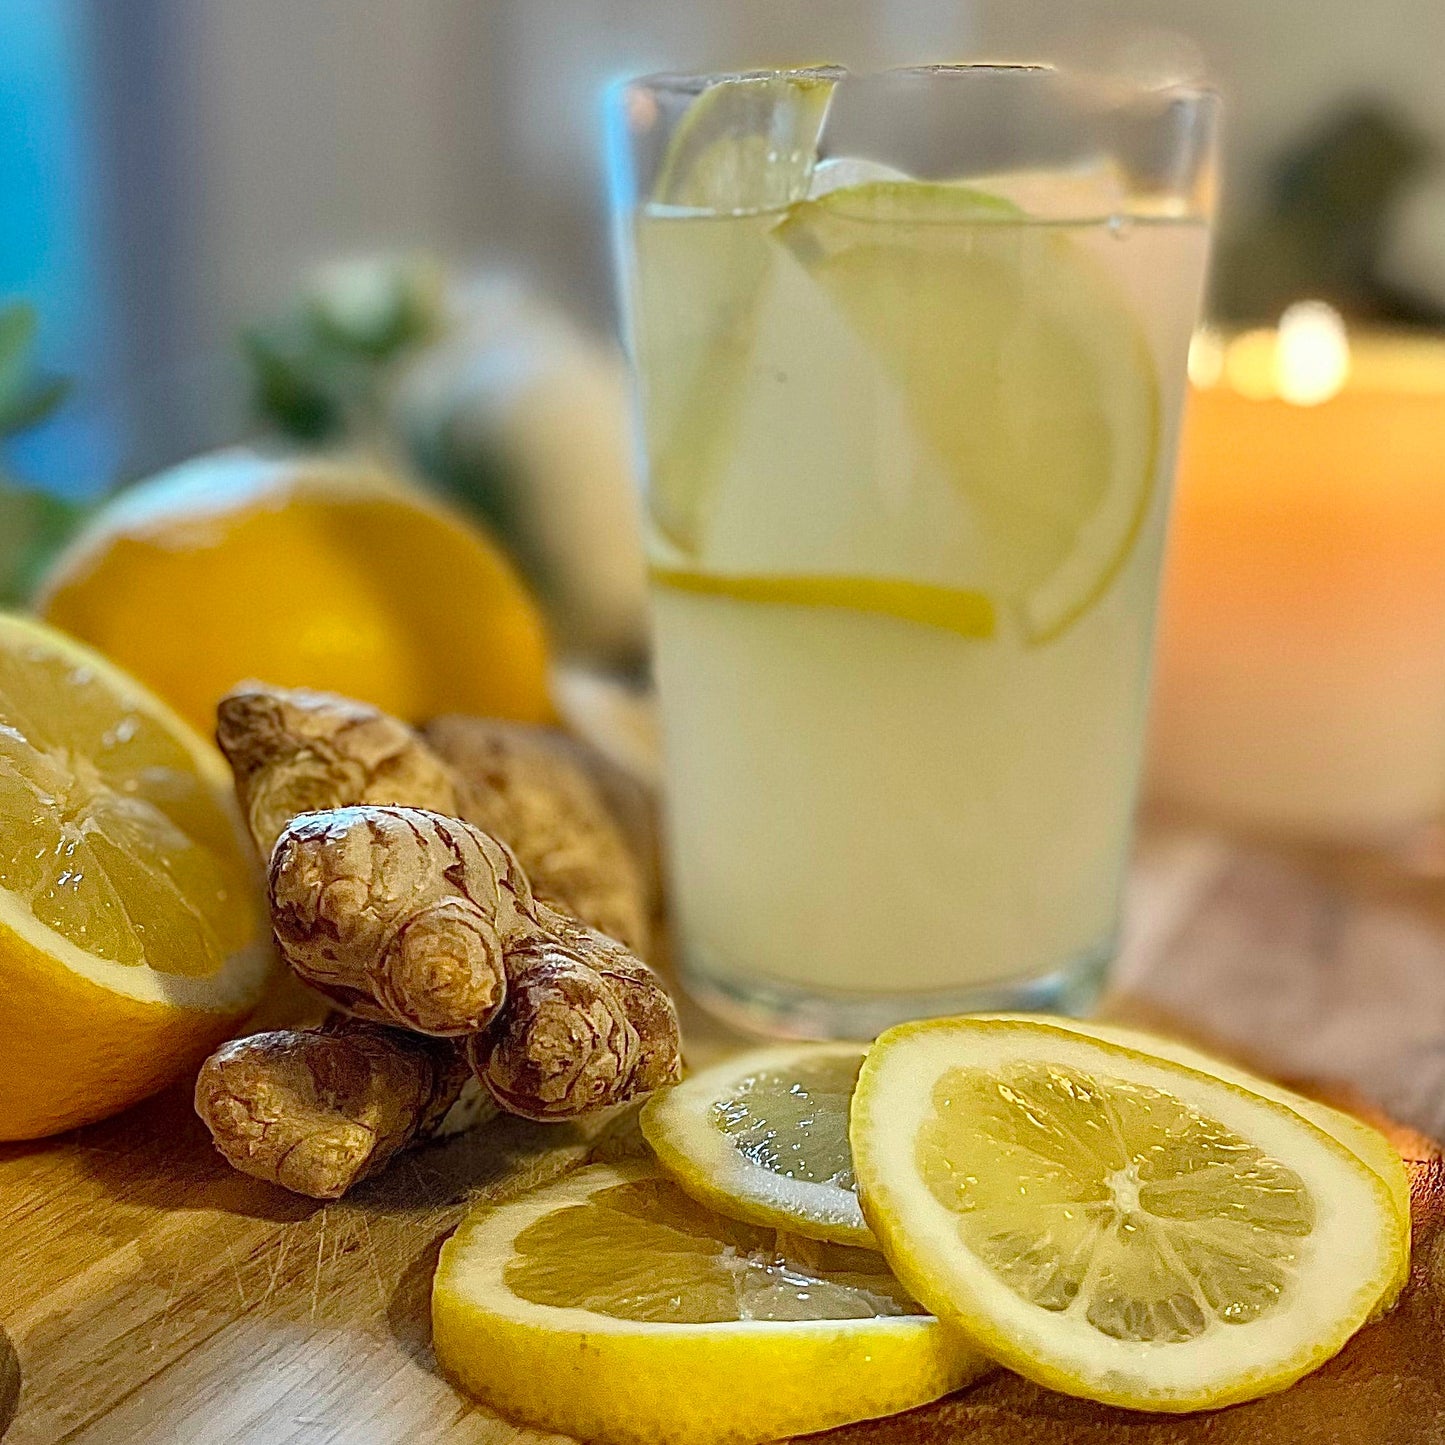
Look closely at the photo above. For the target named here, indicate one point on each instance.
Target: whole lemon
(302, 573)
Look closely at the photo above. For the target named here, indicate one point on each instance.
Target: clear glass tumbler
(909, 351)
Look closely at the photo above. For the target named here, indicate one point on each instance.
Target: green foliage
(317, 371)
(25, 397)
(1321, 226)
(33, 525)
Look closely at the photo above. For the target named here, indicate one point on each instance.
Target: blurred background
(187, 185)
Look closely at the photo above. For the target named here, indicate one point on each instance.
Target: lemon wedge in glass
(763, 1137)
(1111, 1224)
(745, 147)
(954, 609)
(610, 1306)
(1023, 365)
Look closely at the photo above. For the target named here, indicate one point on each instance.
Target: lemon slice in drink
(955, 609)
(1023, 368)
(131, 932)
(748, 143)
(610, 1306)
(1113, 1225)
(744, 150)
(763, 1137)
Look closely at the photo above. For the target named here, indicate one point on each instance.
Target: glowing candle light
(1301, 672)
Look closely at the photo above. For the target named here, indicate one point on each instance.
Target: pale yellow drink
(908, 453)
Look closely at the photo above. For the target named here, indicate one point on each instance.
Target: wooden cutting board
(151, 1296)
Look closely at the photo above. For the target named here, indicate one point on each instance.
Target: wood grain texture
(149, 1295)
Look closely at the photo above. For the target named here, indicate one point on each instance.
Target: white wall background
(474, 124)
(247, 139)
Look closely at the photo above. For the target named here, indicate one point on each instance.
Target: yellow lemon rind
(953, 609)
(700, 1158)
(631, 1383)
(920, 1239)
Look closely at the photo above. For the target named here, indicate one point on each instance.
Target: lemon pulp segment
(1113, 1200)
(763, 1137)
(115, 839)
(645, 1250)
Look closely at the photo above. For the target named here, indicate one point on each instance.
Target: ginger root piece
(295, 751)
(399, 916)
(588, 1025)
(585, 1022)
(527, 786)
(438, 969)
(317, 1110)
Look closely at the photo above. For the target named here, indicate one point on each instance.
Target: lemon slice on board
(763, 1137)
(131, 932)
(1023, 366)
(1365, 1142)
(1113, 1225)
(610, 1306)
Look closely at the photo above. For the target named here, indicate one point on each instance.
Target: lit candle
(1301, 670)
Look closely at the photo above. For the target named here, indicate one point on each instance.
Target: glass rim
(693, 83)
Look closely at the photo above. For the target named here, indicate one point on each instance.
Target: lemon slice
(131, 936)
(612, 1307)
(1366, 1143)
(1113, 1225)
(1023, 367)
(763, 1137)
(970, 614)
(748, 143)
(745, 148)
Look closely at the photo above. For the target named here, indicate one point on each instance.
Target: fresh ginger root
(295, 751)
(317, 1110)
(409, 918)
(589, 1023)
(399, 916)
(528, 787)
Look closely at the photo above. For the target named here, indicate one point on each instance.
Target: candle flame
(1312, 353)
(1206, 357)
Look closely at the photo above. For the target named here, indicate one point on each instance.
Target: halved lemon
(1114, 1225)
(131, 933)
(610, 1306)
(306, 572)
(1023, 366)
(763, 1137)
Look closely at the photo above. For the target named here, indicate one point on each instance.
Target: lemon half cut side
(131, 930)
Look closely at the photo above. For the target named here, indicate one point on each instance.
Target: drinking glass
(909, 352)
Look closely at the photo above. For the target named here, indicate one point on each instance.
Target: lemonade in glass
(909, 352)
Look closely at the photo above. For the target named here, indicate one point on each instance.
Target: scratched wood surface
(149, 1295)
